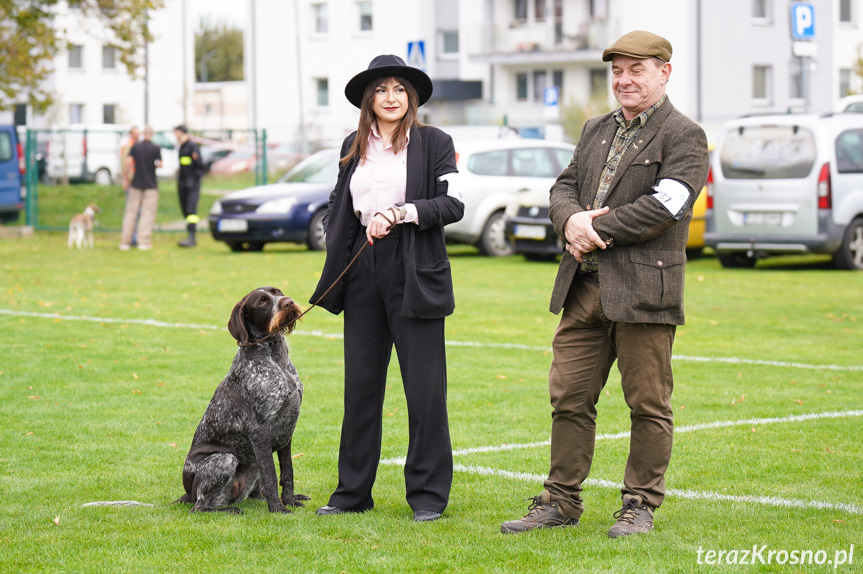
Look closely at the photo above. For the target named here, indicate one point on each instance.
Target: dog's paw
(280, 509)
(294, 499)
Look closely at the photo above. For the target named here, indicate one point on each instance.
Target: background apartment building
(491, 61)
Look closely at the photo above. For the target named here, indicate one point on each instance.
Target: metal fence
(60, 157)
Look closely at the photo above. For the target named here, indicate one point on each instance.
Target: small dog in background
(252, 414)
(81, 227)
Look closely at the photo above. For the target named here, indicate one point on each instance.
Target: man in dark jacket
(189, 182)
(623, 207)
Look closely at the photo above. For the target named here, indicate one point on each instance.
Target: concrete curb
(14, 231)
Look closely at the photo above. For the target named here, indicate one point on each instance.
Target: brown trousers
(585, 346)
(147, 200)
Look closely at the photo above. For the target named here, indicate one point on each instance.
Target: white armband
(456, 193)
(673, 196)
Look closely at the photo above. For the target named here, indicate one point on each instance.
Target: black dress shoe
(426, 515)
(323, 510)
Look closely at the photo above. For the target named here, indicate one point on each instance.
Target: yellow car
(696, 227)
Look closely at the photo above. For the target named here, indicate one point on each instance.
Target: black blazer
(428, 280)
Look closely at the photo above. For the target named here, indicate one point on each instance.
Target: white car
(491, 173)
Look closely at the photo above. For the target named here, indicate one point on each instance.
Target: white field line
(475, 344)
(675, 492)
(683, 429)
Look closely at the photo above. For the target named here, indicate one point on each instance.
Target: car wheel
(103, 177)
(850, 254)
(10, 217)
(316, 240)
(493, 241)
(736, 260)
(239, 246)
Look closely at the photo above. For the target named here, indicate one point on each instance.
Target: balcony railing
(494, 38)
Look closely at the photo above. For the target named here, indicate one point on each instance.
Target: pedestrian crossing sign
(417, 55)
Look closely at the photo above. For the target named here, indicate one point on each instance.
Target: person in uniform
(189, 182)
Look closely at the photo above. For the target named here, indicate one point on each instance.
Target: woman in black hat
(392, 192)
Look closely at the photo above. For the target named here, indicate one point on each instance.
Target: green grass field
(108, 360)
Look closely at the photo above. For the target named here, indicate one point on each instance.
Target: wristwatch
(400, 206)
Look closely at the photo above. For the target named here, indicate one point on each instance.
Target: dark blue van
(11, 168)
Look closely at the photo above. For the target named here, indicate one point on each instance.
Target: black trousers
(190, 192)
(373, 323)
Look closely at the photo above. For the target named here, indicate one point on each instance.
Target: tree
(218, 52)
(31, 41)
(574, 115)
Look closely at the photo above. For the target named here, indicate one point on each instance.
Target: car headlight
(283, 205)
(216, 208)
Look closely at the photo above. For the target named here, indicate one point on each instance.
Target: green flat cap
(640, 44)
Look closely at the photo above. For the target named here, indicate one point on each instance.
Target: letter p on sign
(802, 21)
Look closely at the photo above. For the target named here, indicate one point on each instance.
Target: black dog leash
(392, 223)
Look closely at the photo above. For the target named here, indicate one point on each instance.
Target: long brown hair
(367, 116)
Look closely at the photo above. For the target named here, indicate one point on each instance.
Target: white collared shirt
(380, 181)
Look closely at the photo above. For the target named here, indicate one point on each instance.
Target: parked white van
(92, 153)
(787, 184)
(86, 153)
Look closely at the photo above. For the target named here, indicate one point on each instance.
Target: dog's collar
(262, 339)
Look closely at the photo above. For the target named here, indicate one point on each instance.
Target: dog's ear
(237, 323)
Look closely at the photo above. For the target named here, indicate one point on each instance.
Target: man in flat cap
(623, 207)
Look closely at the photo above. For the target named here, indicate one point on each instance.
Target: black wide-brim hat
(384, 67)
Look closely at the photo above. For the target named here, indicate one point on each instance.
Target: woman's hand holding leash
(381, 224)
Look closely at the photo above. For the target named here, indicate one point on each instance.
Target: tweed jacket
(641, 272)
(428, 279)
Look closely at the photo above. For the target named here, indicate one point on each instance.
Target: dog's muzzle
(286, 315)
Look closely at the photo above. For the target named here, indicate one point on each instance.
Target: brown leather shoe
(543, 513)
(633, 518)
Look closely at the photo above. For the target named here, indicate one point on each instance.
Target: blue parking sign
(550, 96)
(802, 21)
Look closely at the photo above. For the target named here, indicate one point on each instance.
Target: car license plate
(765, 218)
(522, 231)
(233, 225)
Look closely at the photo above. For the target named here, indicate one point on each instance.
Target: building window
(109, 114)
(531, 10)
(759, 8)
(521, 10)
(323, 91)
(539, 10)
(844, 82)
(20, 116)
(365, 9)
(795, 88)
(209, 109)
(845, 14)
(76, 57)
(321, 20)
(761, 80)
(539, 84)
(557, 82)
(599, 83)
(108, 58)
(521, 86)
(76, 113)
(449, 41)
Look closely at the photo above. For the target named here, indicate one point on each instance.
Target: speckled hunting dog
(253, 414)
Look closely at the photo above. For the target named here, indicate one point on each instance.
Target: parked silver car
(787, 184)
(491, 173)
